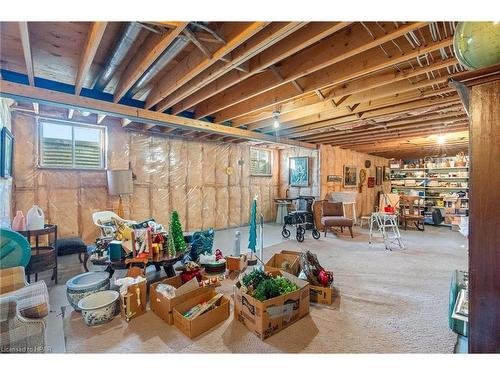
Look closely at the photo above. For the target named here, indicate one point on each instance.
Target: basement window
(71, 146)
(260, 162)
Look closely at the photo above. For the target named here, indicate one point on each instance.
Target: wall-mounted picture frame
(333, 178)
(350, 176)
(299, 171)
(379, 176)
(387, 173)
(6, 153)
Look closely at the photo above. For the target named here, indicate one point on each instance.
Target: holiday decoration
(176, 233)
(218, 255)
(252, 241)
(315, 274)
(171, 244)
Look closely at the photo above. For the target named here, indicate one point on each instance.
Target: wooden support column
(482, 92)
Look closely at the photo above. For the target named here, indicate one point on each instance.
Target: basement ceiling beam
(363, 64)
(28, 58)
(94, 37)
(415, 133)
(235, 33)
(308, 35)
(304, 105)
(265, 38)
(351, 101)
(143, 116)
(329, 51)
(152, 48)
(392, 105)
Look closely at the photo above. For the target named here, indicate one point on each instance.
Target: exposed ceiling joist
(329, 51)
(363, 64)
(305, 103)
(94, 37)
(28, 58)
(152, 48)
(143, 116)
(235, 33)
(291, 44)
(238, 56)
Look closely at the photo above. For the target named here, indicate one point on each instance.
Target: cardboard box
(196, 326)
(323, 295)
(268, 317)
(293, 252)
(236, 263)
(162, 306)
(274, 264)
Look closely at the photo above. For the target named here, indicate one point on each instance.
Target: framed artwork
(387, 174)
(378, 176)
(371, 182)
(299, 171)
(6, 153)
(350, 176)
(333, 178)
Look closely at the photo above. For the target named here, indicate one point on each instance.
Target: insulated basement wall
(191, 177)
(333, 159)
(293, 191)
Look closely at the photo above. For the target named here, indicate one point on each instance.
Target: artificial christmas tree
(176, 233)
(171, 244)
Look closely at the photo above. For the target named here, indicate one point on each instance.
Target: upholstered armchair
(332, 215)
(23, 310)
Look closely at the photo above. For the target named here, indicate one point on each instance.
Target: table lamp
(120, 183)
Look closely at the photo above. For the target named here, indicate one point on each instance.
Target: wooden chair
(410, 212)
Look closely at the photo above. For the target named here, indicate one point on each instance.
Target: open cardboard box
(323, 295)
(268, 317)
(163, 306)
(275, 262)
(202, 323)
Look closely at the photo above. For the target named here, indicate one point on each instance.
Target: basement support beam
(28, 58)
(89, 50)
(43, 96)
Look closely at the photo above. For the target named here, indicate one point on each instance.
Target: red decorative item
(371, 182)
(188, 275)
(389, 209)
(218, 255)
(323, 278)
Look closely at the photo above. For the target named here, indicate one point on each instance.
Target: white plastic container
(35, 219)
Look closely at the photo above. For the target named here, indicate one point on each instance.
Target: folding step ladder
(388, 226)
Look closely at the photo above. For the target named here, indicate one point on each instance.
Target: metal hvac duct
(168, 55)
(129, 36)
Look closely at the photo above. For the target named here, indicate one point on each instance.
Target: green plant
(254, 278)
(267, 289)
(285, 286)
(176, 233)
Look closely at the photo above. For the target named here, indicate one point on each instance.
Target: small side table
(43, 252)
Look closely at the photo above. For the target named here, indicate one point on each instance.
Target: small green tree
(176, 232)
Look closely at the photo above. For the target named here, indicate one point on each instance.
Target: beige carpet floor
(390, 302)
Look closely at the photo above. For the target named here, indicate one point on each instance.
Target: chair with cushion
(332, 215)
(23, 310)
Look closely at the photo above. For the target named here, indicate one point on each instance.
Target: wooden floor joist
(143, 116)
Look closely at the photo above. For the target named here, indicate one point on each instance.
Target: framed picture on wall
(387, 174)
(350, 176)
(333, 178)
(378, 176)
(6, 153)
(299, 171)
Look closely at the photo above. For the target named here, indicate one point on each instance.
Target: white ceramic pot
(99, 308)
(85, 284)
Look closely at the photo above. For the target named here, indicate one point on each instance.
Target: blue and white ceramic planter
(99, 308)
(84, 285)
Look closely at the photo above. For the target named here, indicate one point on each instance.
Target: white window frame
(271, 161)
(103, 141)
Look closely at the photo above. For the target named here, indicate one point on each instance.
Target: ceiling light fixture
(276, 116)
(441, 139)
